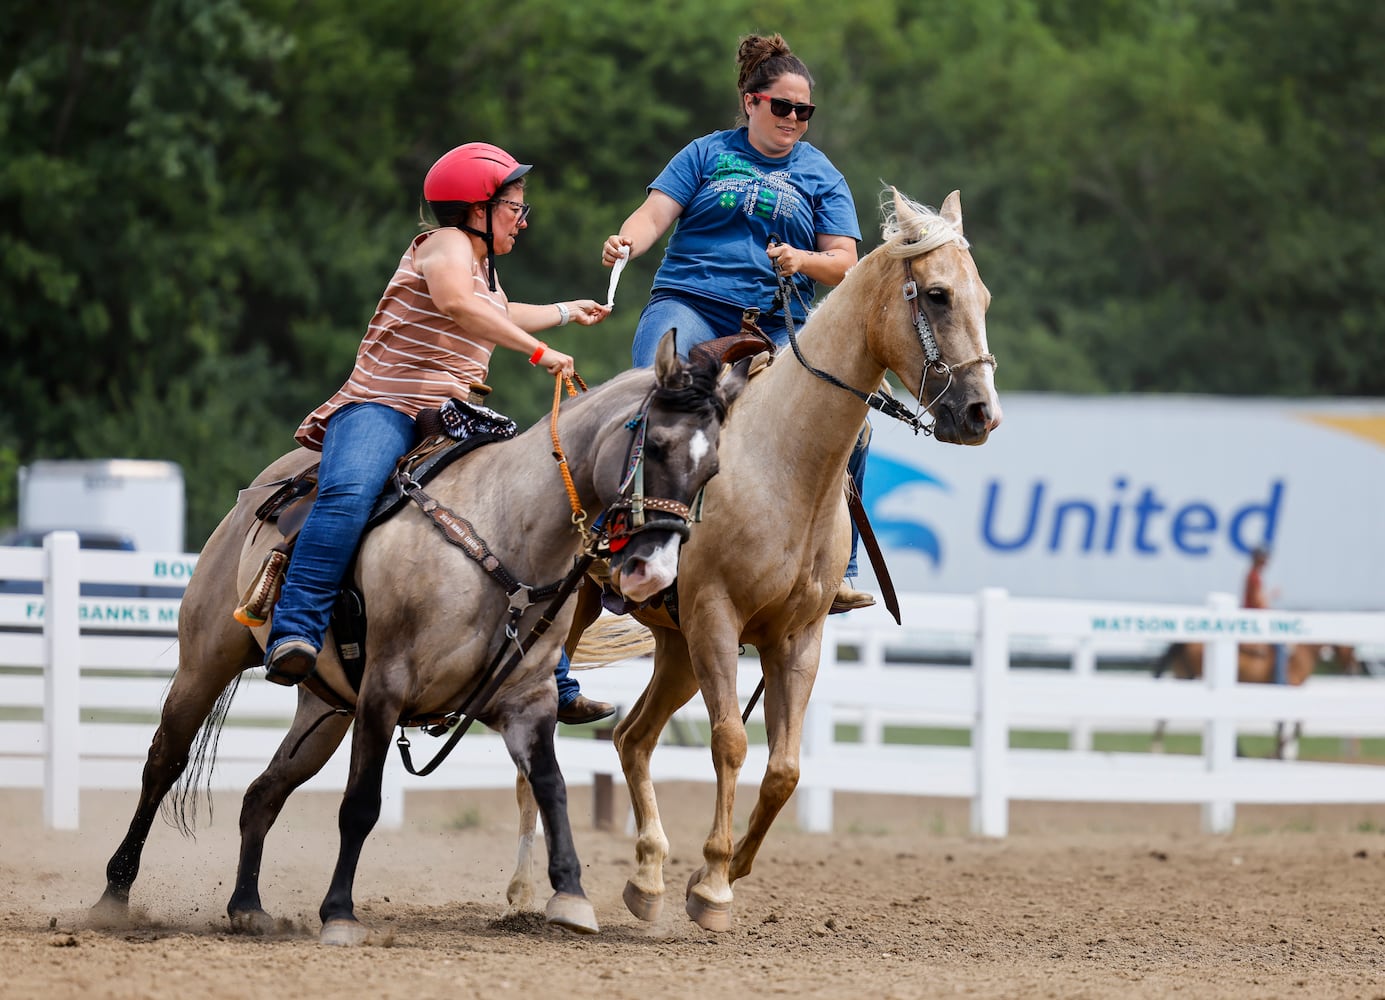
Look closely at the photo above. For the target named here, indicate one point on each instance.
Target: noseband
(932, 357)
(933, 361)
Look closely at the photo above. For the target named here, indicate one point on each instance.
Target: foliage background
(201, 199)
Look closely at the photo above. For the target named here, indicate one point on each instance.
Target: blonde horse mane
(611, 639)
(921, 230)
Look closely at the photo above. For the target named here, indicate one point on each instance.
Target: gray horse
(438, 622)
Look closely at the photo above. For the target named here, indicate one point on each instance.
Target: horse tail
(1167, 658)
(611, 639)
(180, 807)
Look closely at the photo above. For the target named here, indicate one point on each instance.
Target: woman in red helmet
(442, 314)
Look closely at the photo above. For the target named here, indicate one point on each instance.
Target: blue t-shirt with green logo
(733, 198)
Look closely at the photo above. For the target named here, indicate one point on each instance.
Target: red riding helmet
(473, 172)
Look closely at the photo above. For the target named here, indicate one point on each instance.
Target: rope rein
(579, 516)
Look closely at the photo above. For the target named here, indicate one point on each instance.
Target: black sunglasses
(780, 108)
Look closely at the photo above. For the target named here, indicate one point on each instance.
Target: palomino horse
(1255, 662)
(437, 618)
(770, 552)
(1255, 665)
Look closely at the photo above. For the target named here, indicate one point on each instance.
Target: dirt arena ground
(898, 902)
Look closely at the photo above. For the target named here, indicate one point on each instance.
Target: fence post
(813, 796)
(990, 735)
(872, 666)
(1219, 732)
(62, 676)
(392, 795)
(1084, 669)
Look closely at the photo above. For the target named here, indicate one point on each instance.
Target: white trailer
(136, 497)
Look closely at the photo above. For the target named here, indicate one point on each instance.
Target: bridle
(933, 361)
(624, 517)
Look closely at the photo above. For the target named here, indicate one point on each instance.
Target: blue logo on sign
(885, 476)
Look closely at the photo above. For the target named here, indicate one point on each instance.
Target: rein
(579, 516)
(883, 402)
(496, 673)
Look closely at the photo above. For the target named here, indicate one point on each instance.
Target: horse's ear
(668, 367)
(732, 381)
(902, 209)
(952, 211)
(906, 215)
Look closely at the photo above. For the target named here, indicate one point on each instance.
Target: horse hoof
(520, 895)
(573, 912)
(252, 922)
(645, 905)
(708, 915)
(344, 933)
(109, 911)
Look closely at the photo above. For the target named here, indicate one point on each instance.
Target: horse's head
(935, 340)
(669, 458)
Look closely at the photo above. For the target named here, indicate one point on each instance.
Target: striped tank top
(413, 355)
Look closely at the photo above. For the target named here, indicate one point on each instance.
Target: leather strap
(877, 558)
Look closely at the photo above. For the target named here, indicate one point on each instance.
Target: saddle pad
(392, 497)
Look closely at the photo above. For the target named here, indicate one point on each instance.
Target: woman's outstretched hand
(587, 312)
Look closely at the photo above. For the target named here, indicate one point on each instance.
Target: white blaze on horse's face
(987, 372)
(699, 447)
(641, 578)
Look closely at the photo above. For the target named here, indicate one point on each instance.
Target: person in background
(751, 204)
(440, 318)
(1255, 597)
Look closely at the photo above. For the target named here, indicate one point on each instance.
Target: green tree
(202, 199)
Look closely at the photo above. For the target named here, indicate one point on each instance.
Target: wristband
(563, 315)
(538, 353)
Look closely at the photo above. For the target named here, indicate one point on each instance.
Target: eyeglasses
(780, 108)
(520, 207)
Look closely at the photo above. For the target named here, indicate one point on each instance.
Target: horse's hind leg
(196, 687)
(293, 763)
(529, 739)
(790, 670)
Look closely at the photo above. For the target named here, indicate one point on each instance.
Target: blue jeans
(362, 445)
(1281, 663)
(698, 320)
(568, 688)
(856, 469)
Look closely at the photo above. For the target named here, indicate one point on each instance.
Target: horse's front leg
(529, 738)
(519, 894)
(376, 713)
(709, 889)
(298, 758)
(790, 669)
(635, 738)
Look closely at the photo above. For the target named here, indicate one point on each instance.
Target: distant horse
(1255, 665)
(441, 618)
(764, 564)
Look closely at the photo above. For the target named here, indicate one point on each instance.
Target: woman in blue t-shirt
(729, 192)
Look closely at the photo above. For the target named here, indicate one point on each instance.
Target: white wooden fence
(81, 679)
